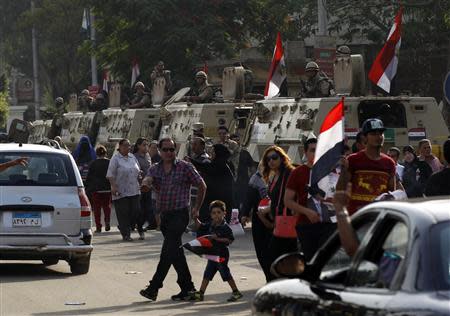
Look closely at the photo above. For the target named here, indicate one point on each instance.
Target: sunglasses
(171, 149)
(272, 157)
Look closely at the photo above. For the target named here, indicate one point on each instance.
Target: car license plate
(26, 220)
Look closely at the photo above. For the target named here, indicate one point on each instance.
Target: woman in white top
(123, 174)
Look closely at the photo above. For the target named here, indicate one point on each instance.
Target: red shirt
(298, 182)
(369, 178)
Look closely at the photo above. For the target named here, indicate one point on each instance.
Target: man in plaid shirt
(172, 180)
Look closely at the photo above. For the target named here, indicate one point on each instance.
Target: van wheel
(50, 262)
(80, 265)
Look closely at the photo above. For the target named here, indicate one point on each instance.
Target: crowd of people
(147, 183)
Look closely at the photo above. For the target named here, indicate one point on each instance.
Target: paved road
(110, 287)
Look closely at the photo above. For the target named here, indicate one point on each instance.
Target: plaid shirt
(173, 188)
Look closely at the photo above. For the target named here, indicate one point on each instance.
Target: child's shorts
(212, 268)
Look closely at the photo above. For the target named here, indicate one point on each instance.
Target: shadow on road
(215, 304)
(24, 272)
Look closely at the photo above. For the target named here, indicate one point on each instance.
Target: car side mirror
(290, 265)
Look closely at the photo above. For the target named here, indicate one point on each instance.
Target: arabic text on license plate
(26, 219)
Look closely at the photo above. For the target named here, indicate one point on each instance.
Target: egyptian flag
(330, 143)
(385, 65)
(203, 247)
(135, 72)
(277, 73)
(105, 87)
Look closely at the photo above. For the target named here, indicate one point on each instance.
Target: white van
(44, 211)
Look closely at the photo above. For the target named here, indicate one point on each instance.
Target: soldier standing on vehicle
(55, 129)
(141, 99)
(100, 103)
(160, 72)
(317, 83)
(205, 91)
(85, 102)
(371, 172)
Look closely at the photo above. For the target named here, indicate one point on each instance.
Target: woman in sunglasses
(276, 168)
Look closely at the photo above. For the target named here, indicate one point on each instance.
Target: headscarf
(84, 152)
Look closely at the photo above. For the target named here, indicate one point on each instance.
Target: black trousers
(313, 236)
(173, 225)
(127, 209)
(261, 238)
(278, 247)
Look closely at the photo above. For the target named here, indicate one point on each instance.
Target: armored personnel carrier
(287, 122)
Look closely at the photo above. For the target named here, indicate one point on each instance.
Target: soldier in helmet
(100, 103)
(159, 71)
(85, 102)
(317, 83)
(205, 91)
(57, 119)
(141, 98)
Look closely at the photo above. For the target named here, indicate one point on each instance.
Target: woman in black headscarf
(219, 180)
(415, 174)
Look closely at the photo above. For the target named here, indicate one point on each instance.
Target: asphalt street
(118, 271)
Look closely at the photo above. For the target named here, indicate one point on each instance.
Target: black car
(402, 267)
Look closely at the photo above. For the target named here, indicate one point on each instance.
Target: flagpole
(35, 68)
(343, 123)
(93, 58)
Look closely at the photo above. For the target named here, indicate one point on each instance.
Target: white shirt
(400, 169)
(125, 171)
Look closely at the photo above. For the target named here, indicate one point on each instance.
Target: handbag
(284, 224)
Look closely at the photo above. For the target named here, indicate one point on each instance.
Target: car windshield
(43, 169)
(440, 245)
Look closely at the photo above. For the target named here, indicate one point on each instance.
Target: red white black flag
(330, 143)
(277, 71)
(385, 65)
(203, 247)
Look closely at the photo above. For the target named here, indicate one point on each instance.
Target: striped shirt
(173, 188)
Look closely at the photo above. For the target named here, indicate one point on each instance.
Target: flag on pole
(385, 65)
(330, 143)
(277, 73)
(134, 71)
(204, 248)
(105, 80)
(85, 23)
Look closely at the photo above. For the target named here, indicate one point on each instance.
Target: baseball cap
(371, 125)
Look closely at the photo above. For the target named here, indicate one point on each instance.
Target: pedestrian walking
(439, 183)
(371, 172)
(140, 151)
(123, 175)
(221, 236)
(415, 174)
(172, 180)
(426, 154)
(314, 224)
(219, 180)
(155, 157)
(276, 168)
(84, 154)
(100, 189)
(256, 191)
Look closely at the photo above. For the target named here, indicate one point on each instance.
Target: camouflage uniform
(318, 86)
(205, 93)
(85, 103)
(141, 97)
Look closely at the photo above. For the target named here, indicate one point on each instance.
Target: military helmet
(139, 84)
(59, 101)
(201, 74)
(85, 92)
(312, 66)
(343, 50)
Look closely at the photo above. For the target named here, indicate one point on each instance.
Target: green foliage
(4, 108)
